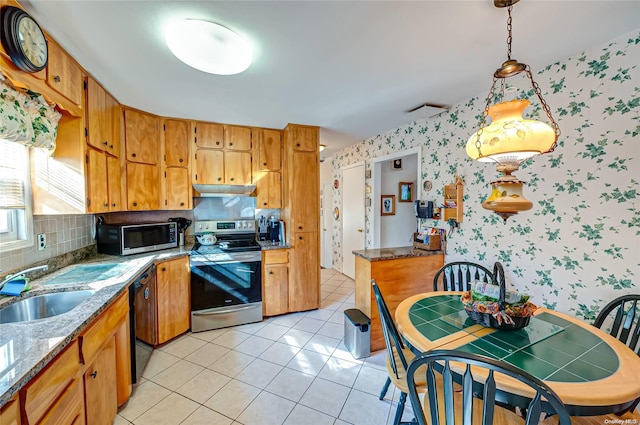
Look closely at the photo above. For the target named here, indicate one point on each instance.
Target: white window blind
(13, 164)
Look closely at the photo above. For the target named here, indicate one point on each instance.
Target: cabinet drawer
(69, 409)
(47, 386)
(103, 327)
(276, 256)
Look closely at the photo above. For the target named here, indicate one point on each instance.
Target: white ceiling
(353, 68)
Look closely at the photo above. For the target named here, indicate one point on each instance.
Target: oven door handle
(225, 311)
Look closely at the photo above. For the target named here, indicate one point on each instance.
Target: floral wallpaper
(579, 247)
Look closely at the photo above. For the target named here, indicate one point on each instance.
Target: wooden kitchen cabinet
(275, 282)
(304, 137)
(209, 167)
(103, 123)
(97, 188)
(142, 136)
(453, 202)
(114, 178)
(142, 186)
(173, 298)
(10, 412)
(64, 75)
(304, 274)
(237, 138)
(305, 193)
(237, 168)
(209, 135)
(69, 408)
(100, 386)
(269, 190)
(268, 153)
(176, 179)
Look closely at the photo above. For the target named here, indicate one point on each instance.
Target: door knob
(359, 230)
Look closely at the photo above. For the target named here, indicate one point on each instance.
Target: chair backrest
(625, 312)
(392, 339)
(438, 361)
(457, 276)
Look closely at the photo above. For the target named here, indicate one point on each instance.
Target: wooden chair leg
(385, 388)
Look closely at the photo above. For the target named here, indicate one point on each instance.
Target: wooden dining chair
(476, 403)
(457, 276)
(398, 355)
(623, 317)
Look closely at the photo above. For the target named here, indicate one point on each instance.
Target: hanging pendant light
(510, 139)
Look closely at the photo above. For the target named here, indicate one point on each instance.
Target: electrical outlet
(42, 241)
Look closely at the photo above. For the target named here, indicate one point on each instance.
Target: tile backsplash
(64, 233)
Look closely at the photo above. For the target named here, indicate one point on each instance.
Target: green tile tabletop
(590, 370)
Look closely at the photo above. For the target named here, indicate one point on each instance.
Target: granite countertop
(26, 347)
(382, 254)
(267, 245)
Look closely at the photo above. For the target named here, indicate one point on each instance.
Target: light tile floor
(287, 370)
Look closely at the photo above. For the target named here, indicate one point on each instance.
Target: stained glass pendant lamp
(510, 139)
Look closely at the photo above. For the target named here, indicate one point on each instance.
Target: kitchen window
(16, 221)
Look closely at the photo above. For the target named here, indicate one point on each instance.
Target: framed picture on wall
(387, 204)
(405, 192)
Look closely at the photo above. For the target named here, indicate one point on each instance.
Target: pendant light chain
(485, 114)
(509, 37)
(545, 107)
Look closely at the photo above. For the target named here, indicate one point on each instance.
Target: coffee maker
(276, 230)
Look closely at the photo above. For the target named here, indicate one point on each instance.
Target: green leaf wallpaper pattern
(579, 246)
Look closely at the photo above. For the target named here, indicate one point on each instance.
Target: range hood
(206, 190)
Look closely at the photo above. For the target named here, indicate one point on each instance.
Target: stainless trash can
(357, 333)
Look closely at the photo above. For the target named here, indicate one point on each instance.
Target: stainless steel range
(226, 277)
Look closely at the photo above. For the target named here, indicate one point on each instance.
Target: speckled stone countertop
(26, 347)
(267, 246)
(382, 254)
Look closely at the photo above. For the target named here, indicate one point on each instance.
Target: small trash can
(357, 333)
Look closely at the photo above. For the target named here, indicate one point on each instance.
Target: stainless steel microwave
(127, 239)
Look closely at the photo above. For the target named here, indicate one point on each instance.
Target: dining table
(592, 372)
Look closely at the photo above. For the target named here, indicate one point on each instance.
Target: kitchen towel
(15, 287)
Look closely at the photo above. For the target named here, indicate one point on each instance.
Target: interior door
(326, 257)
(352, 216)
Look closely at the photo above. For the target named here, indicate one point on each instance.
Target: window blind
(13, 166)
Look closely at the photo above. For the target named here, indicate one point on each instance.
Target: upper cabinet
(269, 149)
(304, 138)
(175, 183)
(103, 119)
(209, 135)
(141, 136)
(176, 142)
(64, 74)
(237, 138)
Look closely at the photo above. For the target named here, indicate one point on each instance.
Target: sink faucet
(8, 277)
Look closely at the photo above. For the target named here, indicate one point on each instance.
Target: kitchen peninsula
(400, 273)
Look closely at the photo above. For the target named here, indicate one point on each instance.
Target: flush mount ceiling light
(208, 47)
(510, 139)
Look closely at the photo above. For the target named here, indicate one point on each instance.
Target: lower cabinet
(173, 299)
(100, 386)
(275, 282)
(69, 408)
(10, 412)
(304, 275)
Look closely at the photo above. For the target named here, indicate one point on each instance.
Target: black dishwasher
(142, 300)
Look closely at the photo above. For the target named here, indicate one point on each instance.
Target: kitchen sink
(42, 306)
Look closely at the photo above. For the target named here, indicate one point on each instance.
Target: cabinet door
(146, 313)
(113, 183)
(178, 188)
(173, 298)
(304, 138)
(97, 191)
(114, 112)
(237, 138)
(101, 402)
(176, 143)
(304, 273)
(97, 123)
(275, 296)
(64, 74)
(142, 186)
(209, 167)
(305, 196)
(141, 137)
(68, 409)
(269, 150)
(269, 190)
(237, 167)
(10, 412)
(209, 135)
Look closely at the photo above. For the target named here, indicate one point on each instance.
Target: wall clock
(23, 39)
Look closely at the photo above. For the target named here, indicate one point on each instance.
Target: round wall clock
(23, 39)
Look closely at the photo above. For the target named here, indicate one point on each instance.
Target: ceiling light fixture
(208, 47)
(510, 139)
(322, 147)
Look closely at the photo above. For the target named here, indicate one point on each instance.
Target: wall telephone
(423, 209)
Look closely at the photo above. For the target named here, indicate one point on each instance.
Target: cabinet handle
(106, 204)
(264, 164)
(164, 269)
(300, 237)
(298, 144)
(264, 203)
(133, 155)
(110, 146)
(231, 179)
(135, 204)
(230, 144)
(219, 178)
(299, 227)
(94, 374)
(113, 205)
(360, 230)
(182, 204)
(57, 79)
(270, 272)
(105, 143)
(217, 143)
(181, 160)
